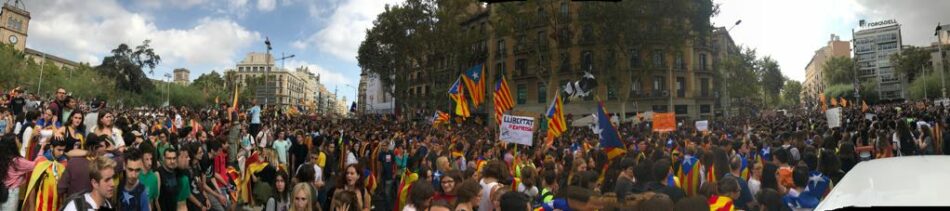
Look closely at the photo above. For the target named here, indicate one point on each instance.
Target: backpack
(77, 199)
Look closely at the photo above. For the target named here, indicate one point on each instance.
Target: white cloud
(788, 31)
(327, 77)
(299, 45)
(266, 5)
(346, 27)
(917, 18)
(88, 30)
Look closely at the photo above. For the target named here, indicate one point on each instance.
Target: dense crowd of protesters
(68, 154)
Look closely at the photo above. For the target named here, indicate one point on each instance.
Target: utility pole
(267, 69)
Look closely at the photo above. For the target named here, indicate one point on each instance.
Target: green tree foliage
(838, 70)
(88, 83)
(868, 91)
(910, 62)
(928, 83)
(772, 79)
(741, 67)
(791, 92)
(126, 64)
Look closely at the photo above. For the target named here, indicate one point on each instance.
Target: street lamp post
(168, 78)
(943, 82)
(266, 71)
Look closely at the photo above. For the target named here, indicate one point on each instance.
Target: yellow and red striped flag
(555, 114)
(457, 93)
(475, 84)
(502, 96)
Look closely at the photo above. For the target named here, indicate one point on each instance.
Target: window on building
(501, 48)
(634, 58)
(681, 109)
(542, 93)
(660, 108)
(611, 58)
(587, 61)
(658, 60)
(705, 108)
(680, 65)
(565, 10)
(659, 83)
(702, 62)
(704, 87)
(565, 63)
(680, 87)
(500, 67)
(564, 36)
(634, 89)
(522, 94)
(542, 16)
(520, 67)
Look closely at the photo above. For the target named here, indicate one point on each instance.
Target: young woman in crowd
(352, 180)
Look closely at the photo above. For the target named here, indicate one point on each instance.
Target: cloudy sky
(206, 35)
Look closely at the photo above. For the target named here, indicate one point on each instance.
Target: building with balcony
(276, 86)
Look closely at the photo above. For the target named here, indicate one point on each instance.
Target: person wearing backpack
(101, 170)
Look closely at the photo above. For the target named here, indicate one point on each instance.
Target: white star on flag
(475, 76)
(815, 179)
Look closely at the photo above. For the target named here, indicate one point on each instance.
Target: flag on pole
(609, 137)
(555, 115)
(864, 106)
(475, 84)
(824, 106)
(502, 98)
(457, 93)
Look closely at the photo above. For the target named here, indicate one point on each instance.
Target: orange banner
(664, 122)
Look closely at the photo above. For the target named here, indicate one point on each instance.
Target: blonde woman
(302, 198)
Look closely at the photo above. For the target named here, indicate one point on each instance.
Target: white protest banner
(702, 125)
(834, 117)
(869, 117)
(517, 129)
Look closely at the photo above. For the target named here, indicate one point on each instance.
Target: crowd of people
(67, 153)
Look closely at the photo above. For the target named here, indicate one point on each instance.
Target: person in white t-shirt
(103, 187)
(492, 174)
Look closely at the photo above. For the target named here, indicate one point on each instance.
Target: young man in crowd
(101, 170)
(132, 195)
(168, 195)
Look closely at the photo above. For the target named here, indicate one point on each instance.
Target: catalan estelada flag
(689, 175)
(609, 137)
(744, 171)
(502, 98)
(457, 93)
(824, 106)
(253, 164)
(440, 118)
(475, 84)
(555, 115)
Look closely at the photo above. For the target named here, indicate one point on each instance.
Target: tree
(927, 83)
(772, 79)
(125, 66)
(838, 70)
(741, 67)
(910, 62)
(791, 92)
